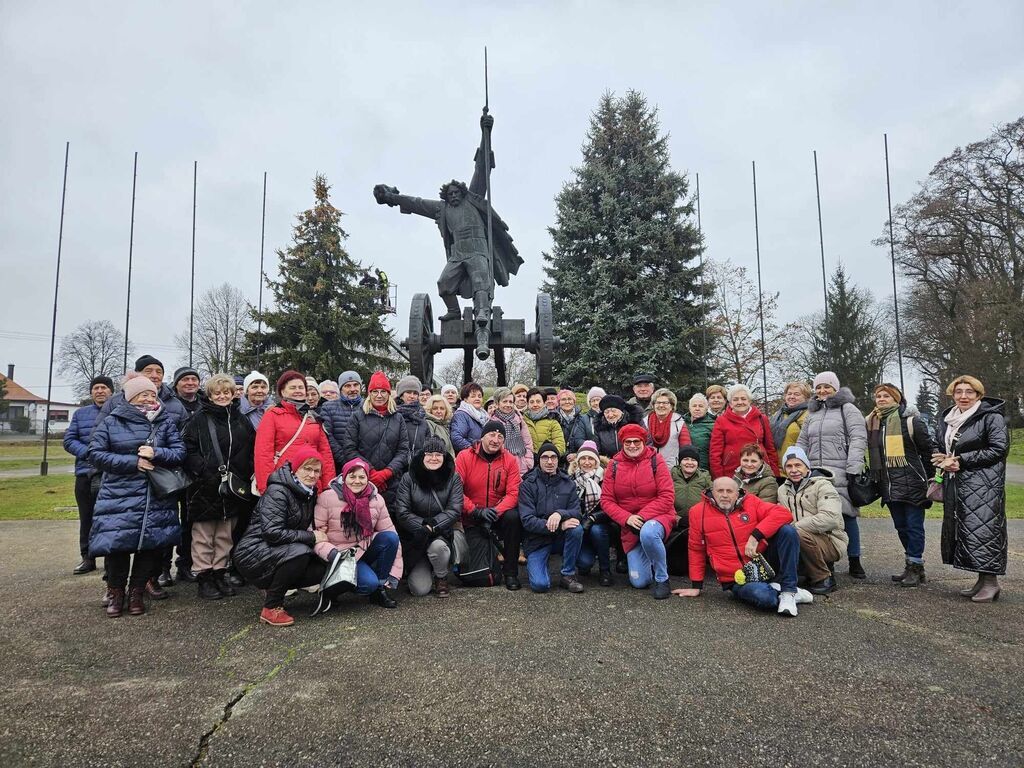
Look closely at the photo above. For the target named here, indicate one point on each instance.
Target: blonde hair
(716, 388)
(368, 406)
(803, 386)
(434, 400)
(219, 382)
(665, 392)
(970, 381)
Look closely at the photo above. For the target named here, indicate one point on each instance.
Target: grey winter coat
(974, 508)
(836, 438)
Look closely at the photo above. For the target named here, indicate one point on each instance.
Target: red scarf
(660, 430)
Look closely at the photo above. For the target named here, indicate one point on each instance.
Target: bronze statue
(477, 244)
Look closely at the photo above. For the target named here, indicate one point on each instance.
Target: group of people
(339, 487)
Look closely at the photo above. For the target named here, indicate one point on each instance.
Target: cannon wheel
(420, 342)
(545, 341)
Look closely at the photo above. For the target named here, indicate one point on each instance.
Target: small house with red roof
(21, 403)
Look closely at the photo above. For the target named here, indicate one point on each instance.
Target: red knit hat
(379, 381)
(632, 432)
(288, 376)
(302, 454)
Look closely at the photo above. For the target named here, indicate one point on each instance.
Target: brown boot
(973, 590)
(915, 575)
(989, 591)
(115, 602)
(137, 601)
(441, 588)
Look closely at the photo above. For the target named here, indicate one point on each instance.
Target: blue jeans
(649, 556)
(595, 547)
(852, 528)
(566, 542)
(783, 553)
(374, 567)
(909, 523)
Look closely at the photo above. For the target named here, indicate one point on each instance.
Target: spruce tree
(323, 321)
(927, 401)
(623, 272)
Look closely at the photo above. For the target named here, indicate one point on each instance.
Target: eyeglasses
(632, 441)
(378, 392)
(549, 458)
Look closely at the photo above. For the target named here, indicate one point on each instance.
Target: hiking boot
(165, 579)
(207, 587)
(512, 583)
(115, 604)
(787, 604)
(605, 579)
(87, 565)
(136, 601)
(901, 576)
(383, 598)
(856, 569)
(661, 590)
(276, 617)
(570, 583)
(441, 588)
(154, 591)
(221, 583)
(621, 566)
(915, 575)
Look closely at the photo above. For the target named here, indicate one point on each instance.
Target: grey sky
(392, 93)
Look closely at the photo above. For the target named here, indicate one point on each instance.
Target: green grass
(27, 454)
(1016, 446)
(1014, 506)
(34, 498)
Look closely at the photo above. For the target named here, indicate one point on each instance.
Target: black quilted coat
(416, 503)
(236, 438)
(974, 514)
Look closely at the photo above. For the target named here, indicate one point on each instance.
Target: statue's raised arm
(478, 185)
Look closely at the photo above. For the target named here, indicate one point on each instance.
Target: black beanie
(689, 452)
(145, 360)
(109, 382)
(493, 426)
(548, 447)
(434, 445)
(181, 373)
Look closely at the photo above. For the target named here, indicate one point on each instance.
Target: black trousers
(146, 565)
(86, 501)
(304, 571)
(510, 529)
(184, 559)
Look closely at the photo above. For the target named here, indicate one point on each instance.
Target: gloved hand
(380, 478)
(486, 515)
(430, 522)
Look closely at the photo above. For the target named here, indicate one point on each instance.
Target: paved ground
(873, 676)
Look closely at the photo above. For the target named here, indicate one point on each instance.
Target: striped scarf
(588, 485)
(513, 435)
(895, 453)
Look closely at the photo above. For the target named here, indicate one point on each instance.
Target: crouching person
(429, 505)
(276, 552)
(818, 514)
(730, 528)
(352, 515)
(637, 494)
(587, 471)
(549, 508)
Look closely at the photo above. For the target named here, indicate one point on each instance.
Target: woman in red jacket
(286, 427)
(738, 425)
(638, 494)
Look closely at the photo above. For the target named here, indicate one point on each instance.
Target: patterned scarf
(588, 485)
(477, 414)
(513, 436)
(895, 454)
(356, 518)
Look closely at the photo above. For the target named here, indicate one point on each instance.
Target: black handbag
(862, 488)
(231, 485)
(166, 481)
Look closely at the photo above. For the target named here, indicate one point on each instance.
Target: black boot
(452, 304)
(383, 598)
(621, 566)
(165, 579)
(220, 581)
(207, 586)
(915, 575)
(856, 569)
(87, 565)
(482, 308)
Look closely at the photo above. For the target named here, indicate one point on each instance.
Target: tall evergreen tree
(324, 321)
(927, 400)
(857, 343)
(623, 274)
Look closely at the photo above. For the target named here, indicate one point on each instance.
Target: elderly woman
(255, 398)
(594, 396)
(739, 425)
(587, 471)
(329, 390)
(542, 422)
(313, 394)
(718, 399)
(899, 454)
(667, 428)
(789, 419)
(137, 437)
(973, 445)
(700, 421)
(834, 437)
(430, 500)
(439, 419)
(469, 418)
(754, 476)
(518, 441)
(519, 393)
(615, 414)
(219, 443)
(276, 553)
(450, 393)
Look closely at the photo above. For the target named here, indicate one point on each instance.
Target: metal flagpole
(892, 256)
(703, 302)
(760, 293)
(192, 287)
(259, 311)
(44, 466)
(821, 237)
(131, 244)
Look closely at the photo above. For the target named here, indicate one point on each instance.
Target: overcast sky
(391, 92)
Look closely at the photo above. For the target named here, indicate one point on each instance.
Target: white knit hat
(253, 376)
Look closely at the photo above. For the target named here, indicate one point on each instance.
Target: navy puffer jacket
(335, 415)
(128, 516)
(170, 402)
(77, 436)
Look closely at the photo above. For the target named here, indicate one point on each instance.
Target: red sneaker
(276, 617)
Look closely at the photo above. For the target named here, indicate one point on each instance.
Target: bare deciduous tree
(95, 348)
(222, 318)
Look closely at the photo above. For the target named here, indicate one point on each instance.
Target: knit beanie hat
(135, 385)
(253, 376)
(589, 448)
(548, 447)
(353, 464)
(493, 426)
(379, 381)
(408, 384)
(449, 388)
(348, 376)
(181, 373)
(632, 432)
(311, 383)
(145, 360)
(517, 388)
(827, 377)
(892, 389)
(612, 401)
(434, 445)
(795, 452)
(105, 380)
(595, 392)
(689, 452)
(286, 377)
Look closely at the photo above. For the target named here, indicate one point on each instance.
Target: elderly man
(731, 527)
(643, 391)
(549, 507)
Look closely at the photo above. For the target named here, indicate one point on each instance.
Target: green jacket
(688, 492)
(763, 484)
(816, 507)
(700, 435)
(545, 429)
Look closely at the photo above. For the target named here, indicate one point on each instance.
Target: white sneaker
(803, 596)
(787, 604)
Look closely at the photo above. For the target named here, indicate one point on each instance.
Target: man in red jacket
(638, 494)
(490, 483)
(730, 527)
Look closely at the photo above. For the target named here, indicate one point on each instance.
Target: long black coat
(279, 530)
(607, 435)
(909, 484)
(974, 505)
(415, 503)
(236, 438)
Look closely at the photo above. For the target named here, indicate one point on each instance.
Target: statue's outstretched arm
(385, 195)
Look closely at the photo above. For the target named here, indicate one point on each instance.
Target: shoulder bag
(231, 486)
(165, 481)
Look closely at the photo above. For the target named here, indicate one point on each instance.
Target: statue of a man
(461, 215)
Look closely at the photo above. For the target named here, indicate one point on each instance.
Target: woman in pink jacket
(353, 515)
